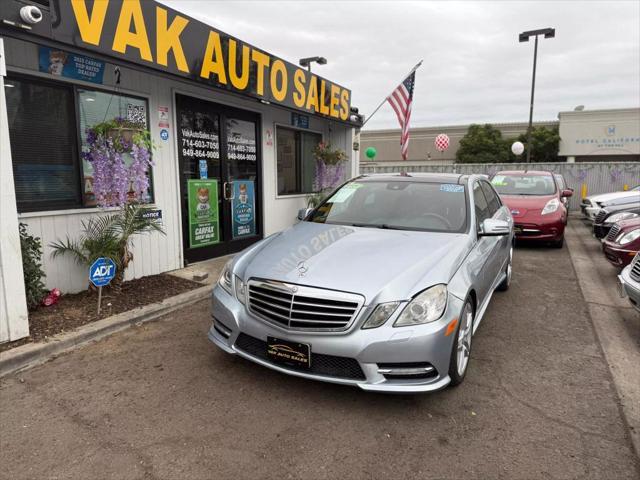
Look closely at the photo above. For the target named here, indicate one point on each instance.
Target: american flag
(401, 100)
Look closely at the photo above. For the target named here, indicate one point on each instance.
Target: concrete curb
(32, 354)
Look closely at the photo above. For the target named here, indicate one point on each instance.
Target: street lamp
(306, 62)
(524, 37)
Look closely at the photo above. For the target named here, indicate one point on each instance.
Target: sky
(474, 70)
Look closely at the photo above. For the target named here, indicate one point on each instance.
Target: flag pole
(385, 98)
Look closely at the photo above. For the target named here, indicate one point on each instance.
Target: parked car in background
(622, 242)
(630, 282)
(590, 206)
(562, 185)
(610, 215)
(535, 202)
(382, 286)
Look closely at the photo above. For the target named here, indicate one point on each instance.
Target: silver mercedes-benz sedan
(382, 286)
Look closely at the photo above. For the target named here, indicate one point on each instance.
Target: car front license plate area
(288, 353)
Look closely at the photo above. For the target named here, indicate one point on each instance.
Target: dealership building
(233, 126)
(585, 136)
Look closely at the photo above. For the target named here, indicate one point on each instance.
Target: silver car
(629, 280)
(382, 286)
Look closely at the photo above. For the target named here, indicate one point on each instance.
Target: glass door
(220, 189)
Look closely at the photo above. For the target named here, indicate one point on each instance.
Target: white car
(590, 206)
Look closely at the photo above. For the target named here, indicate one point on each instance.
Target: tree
(483, 144)
(545, 144)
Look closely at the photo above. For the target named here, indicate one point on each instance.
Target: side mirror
(303, 212)
(568, 192)
(492, 227)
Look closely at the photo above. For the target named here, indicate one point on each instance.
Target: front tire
(461, 352)
(558, 243)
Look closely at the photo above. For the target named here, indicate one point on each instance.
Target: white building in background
(600, 135)
(224, 115)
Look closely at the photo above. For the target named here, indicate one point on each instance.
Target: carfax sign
(243, 209)
(203, 213)
(155, 36)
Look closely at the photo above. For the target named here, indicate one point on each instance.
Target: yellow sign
(150, 34)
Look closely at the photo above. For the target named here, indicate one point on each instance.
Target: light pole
(306, 62)
(524, 37)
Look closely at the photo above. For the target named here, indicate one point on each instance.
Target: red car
(622, 242)
(536, 204)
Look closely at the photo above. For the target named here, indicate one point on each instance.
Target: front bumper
(589, 211)
(541, 231)
(237, 331)
(617, 255)
(629, 288)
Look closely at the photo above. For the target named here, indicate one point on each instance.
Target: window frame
(74, 86)
(33, 206)
(478, 222)
(486, 185)
(297, 130)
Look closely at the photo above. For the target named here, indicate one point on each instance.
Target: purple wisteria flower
(109, 155)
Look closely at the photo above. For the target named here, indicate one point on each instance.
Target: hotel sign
(150, 34)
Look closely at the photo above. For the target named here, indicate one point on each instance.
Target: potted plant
(120, 153)
(330, 167)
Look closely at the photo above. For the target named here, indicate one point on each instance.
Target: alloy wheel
(465, 332)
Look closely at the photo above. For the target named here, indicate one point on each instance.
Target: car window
(561, 183)
(391, 204)
(524, 184)
(481, 205)
(491, 197)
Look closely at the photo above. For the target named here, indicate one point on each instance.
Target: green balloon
(371, 153)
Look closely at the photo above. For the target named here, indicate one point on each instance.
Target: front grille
(613, 233)
(635, 270)
(602, 214)
(325, 365)
(297, 307)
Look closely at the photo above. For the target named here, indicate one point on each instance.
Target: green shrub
(31, 266)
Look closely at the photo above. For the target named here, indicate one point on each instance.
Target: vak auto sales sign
(153, 35)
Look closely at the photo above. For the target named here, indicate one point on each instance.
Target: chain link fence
(589, 178)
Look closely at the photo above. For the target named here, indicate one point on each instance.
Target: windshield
(401, 205)
(524, 184)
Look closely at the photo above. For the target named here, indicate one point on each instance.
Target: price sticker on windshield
(452, 188)
(345, 192)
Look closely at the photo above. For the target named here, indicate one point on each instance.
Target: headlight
(241, 290)
(225, 278)
(381, 314)
(616, 217)
(425, 307)
(628, 237)
(551, 206)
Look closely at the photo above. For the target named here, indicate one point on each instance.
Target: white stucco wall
(156, 253)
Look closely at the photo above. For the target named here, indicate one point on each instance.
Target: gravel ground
(159, 401)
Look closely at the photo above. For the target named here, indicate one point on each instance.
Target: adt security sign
(102, 272)
(164, 134)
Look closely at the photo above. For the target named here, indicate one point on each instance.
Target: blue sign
(243, 209)
(102, 271)
(204, 169)
(164, 134)
(67, 64)
(299, 120)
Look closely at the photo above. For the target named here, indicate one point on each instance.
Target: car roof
(415, 177)
(524, 172)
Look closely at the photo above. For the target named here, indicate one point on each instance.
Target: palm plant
(109, 236)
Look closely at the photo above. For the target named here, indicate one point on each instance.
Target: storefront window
(43, 144)
(296, 163)
(97, 107)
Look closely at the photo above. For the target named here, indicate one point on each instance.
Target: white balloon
(517, 148)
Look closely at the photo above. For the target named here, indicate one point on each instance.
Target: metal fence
(585, 178)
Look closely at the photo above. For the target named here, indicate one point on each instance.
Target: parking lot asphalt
(159, 401)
